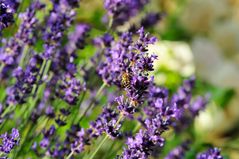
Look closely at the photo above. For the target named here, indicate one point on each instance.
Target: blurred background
(198, 37)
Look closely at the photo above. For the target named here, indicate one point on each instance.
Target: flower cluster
(162, 113)
(11, 52)
(69, 88)
(213, 153)
(151, 19)
(127, 65)
(47, 135)
(106, 122)
(60, 18)
(77, 139)
(9, 141)
(121, 10)
(74, 142)
(7, 10)
(26, 79)
(141, 145)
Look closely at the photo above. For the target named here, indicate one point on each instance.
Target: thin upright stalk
(79, 105)
(91, 105)
(2, 66)
(46, 63)
(99, 146)
(24, 54)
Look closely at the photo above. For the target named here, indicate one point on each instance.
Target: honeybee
(125, 80)
(134, 103)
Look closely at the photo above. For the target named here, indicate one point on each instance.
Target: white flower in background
(174, 56)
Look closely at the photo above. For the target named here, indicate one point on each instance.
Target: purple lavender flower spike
(79, 141)
(7, 10)
(126, 64)
(25, 81)
(157, 99)
(106, 122)
(183, 96)
(122, 10)
(60, 18)
(48, 134)
(77, 38)
(103, 41)
(141, 145)
(212, 153)
(67, 86)
(13, 48)
(75, 141)
(9, 141)
(14, 4)
(125, 107)
(70, 89)
(64, 58)
(198, 105)
(44, 143)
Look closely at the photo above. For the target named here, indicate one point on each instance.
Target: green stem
(23, 139)
(109, 149)
(121, 116)
(2, 66)
(9, 108)
(69, 156)
(112, 152)
(91, 105)
(76, 114)
(110, 24)
(45, 67)
(99, 146)
(33, 100)
(136, 128)
(25, 49)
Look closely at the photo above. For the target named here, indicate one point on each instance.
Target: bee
(125, 80)
(134, 103)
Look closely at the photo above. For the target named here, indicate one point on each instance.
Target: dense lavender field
(77, 81)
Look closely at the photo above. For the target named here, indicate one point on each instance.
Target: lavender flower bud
(198, 105)
(125, 107)
(106, 122)
(6, 14)
(48, 134)
(9, 141)
(69, 88)
(141, 145)
(212, 153)
(121, 11)
(25, 81)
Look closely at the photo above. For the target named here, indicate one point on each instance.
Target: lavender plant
(65, 105)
